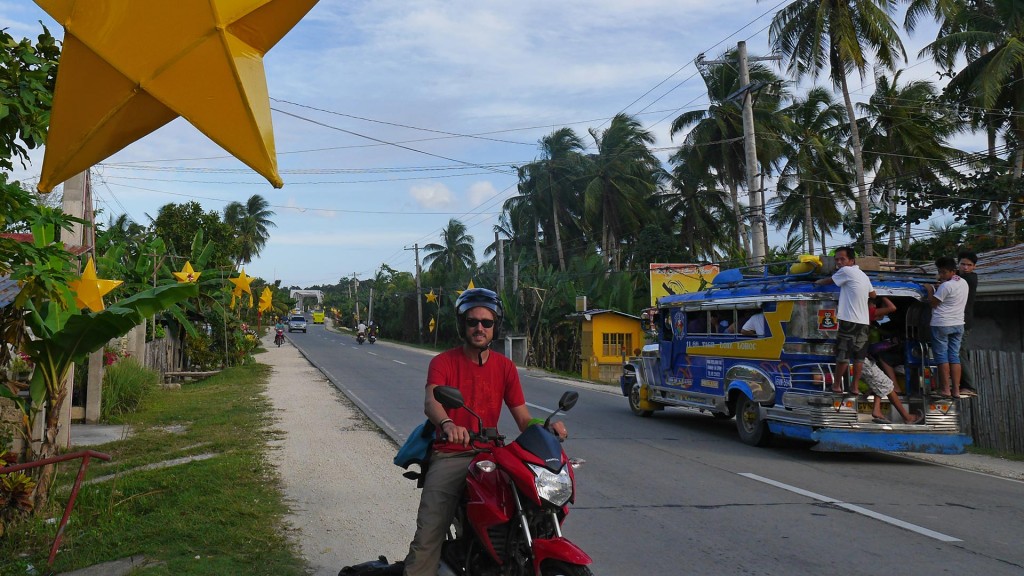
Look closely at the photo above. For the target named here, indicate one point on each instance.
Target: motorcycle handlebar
(489, 435)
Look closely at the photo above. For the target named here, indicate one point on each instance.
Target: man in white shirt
(755, 326)
(948, 303)
(854, 320)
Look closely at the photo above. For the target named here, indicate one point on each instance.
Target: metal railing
(85, 455)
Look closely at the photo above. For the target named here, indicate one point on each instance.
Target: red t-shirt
(483, 388)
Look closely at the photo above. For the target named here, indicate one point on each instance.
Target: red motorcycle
(517, 496)
(279, 337)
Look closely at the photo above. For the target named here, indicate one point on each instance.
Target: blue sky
(393, 117)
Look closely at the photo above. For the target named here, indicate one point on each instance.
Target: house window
(617, 344)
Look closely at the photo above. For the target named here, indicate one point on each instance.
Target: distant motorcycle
(279, 337)
(360, 337)
(372, 337)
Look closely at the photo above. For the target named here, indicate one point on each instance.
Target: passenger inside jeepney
(742, 318)
(755, 326)
(885, 342)
(702, 322)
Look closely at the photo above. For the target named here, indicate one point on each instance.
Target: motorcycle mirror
(448, 397)
(568, 400)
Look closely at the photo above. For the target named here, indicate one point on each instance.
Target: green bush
(125, 384)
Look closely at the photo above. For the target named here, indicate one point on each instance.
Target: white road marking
(853, 508)
(398, 362)
(374, 353)
(544, 408)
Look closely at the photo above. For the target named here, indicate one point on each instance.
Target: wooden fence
(995, 419)
(164, 355)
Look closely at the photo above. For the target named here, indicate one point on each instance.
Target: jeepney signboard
(669, 279)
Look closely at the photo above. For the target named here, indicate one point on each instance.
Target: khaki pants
(442, 488)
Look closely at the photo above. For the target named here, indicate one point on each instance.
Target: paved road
(678, 493)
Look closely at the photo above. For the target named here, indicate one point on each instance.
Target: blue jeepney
(777, 380)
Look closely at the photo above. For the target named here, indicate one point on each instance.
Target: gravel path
(349, 502)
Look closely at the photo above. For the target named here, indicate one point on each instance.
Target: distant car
(297, 323)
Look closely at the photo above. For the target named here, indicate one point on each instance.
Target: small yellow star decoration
(433, 324)
(241, 287)
(187, 274)
(431, 297)
(470, 287)
(89, 290)
(129, 66)
(266, 299)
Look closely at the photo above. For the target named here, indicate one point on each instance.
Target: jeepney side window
(727, 321)
(814, 320)
(700, 322)
(666, 323)
(745, 314)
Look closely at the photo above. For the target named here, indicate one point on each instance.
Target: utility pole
(355, 279)
(755, 197)
(419, 294)
(750, 154)
(369, 308)
(501, 262)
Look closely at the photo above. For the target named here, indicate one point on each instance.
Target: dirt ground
(349, 502)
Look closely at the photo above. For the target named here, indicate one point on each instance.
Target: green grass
(996, 454)
(218, 516)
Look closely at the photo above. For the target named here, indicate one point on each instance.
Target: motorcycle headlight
(555, 488)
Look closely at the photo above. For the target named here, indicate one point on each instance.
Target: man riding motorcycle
(279, 332)
(486, 380)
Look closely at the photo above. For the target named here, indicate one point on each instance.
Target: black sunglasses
(473, 322)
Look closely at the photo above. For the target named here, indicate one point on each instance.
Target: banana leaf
(83, 334)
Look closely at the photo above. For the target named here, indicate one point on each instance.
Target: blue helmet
(477, 298)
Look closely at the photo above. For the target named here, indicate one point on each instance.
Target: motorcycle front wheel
(556, 568)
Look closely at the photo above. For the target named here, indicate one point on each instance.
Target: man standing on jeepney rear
(854, 320)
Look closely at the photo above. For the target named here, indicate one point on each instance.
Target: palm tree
(700, 209)
(252, 224)
(990, 35)
(815, 183)
(120, 231)
(624, 174)
(815, 34)
(715, 138)
(557, 175)
(905, 137)
(454, 254)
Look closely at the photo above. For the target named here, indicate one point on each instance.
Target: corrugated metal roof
(1000, 273)
(8, 290)
(596, 312)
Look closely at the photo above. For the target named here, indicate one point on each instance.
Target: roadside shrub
(125, 384)
(201, 353)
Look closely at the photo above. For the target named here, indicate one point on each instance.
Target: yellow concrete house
(609, 339)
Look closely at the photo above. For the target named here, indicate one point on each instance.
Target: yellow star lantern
(241, 287)
(89, 290)
(431, 297)
(470, 287)
(187, 274)
(433, 324)
(266, 299)
(129, 67)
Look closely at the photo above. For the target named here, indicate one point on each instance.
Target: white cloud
(432, 196)
(480, 192)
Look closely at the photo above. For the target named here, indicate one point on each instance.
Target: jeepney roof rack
(808, 268)
(804, 268)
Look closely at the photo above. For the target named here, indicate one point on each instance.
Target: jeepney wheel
(634, 403)
(753, 430)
